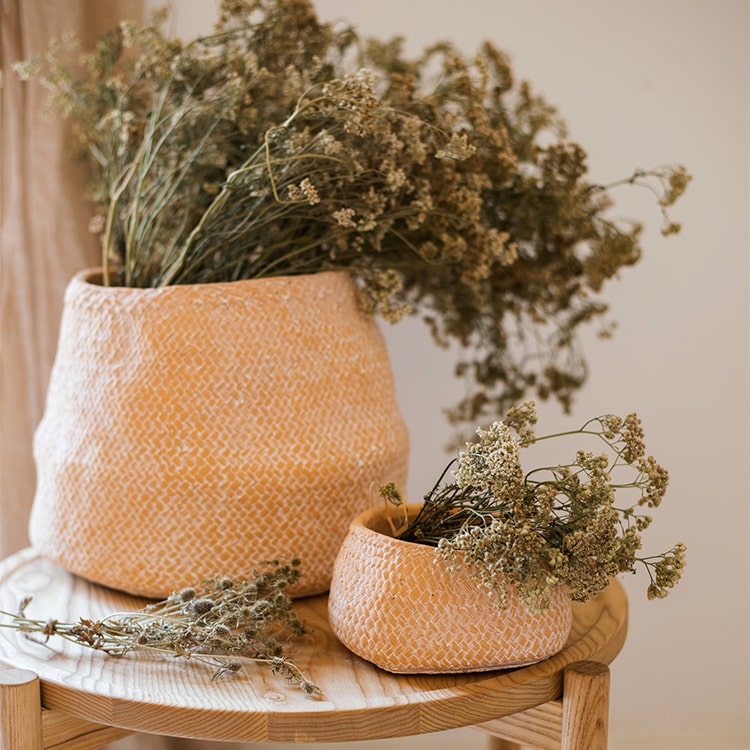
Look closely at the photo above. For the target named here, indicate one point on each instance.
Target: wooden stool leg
(585, 706)
(498, 743)
(20, 710)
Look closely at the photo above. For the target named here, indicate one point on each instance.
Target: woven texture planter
(392, 604)
(201, 429)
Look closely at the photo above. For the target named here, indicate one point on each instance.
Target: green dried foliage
(223, 623)
(576, 524)
(279, 144)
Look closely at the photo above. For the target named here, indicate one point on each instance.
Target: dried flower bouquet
(279, 144)
(576, 524)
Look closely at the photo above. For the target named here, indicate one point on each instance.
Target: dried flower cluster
(222, 623)
(282, 145)
(576, 524)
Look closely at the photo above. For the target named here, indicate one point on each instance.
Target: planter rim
(375, 521)
(93, 276)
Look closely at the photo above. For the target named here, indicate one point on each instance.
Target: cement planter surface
(201, 429)
(395, 604)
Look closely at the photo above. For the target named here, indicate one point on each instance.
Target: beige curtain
(44, 235)
(44, 240)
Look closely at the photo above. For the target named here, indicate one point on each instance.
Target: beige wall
(641, 82)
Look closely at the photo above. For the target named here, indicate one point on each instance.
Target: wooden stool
(64, 693)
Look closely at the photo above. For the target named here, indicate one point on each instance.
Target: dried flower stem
(222, 623)
(281, 145)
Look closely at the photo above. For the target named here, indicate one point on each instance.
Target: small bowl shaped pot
(397, 605)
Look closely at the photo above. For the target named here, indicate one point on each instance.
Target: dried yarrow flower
(557, 525)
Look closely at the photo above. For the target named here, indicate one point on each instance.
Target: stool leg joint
(585, 706)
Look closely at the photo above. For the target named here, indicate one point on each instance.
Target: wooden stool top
(359, 701)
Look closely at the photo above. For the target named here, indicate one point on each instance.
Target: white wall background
(641, 83)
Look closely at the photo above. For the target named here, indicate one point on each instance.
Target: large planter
(202, 429)
(396, 605)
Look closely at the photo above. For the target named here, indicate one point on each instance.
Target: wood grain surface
(585, 718)
(20, 715)
(359, 701)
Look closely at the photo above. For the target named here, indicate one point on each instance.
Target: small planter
(395, 605)
(202, 429)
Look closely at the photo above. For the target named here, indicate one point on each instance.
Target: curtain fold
(44, 240)
(44, 236)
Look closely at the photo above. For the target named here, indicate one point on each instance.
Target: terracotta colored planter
(394, 605)
(201, 429)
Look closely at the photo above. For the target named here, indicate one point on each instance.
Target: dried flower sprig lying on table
(222, 623)
(576, 524)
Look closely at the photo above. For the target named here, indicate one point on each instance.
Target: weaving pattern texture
(202, 429)
(396, 605)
